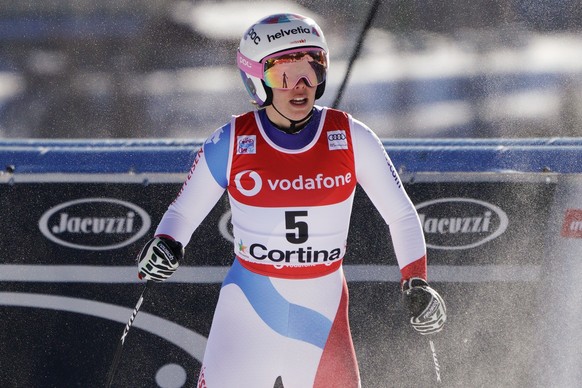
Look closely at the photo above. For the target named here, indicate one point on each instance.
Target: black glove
(159, 259)
(426, 307)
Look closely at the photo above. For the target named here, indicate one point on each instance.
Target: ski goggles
(285, 69)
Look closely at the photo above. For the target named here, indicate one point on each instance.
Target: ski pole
(117, 357)
(437, 367)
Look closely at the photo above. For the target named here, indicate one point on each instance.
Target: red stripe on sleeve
(416, 269)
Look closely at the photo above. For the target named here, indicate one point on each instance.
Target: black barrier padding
(49, 348)
(526, 205)
(489, 331)
(488, 339)
(25, 204)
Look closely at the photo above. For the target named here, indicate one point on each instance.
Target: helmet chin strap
(293, 127)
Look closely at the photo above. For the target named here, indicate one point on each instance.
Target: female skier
(290, 169)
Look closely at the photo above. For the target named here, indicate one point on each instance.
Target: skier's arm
(379, 179)
(203, 187)
(201, 190)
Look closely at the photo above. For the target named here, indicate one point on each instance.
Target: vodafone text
(318, 182)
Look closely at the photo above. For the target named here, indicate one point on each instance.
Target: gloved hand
(159, 259)
(426, 307)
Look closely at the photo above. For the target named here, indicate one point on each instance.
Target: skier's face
(294, 103)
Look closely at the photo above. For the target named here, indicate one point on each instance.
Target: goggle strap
(294, 51)
(249, 66)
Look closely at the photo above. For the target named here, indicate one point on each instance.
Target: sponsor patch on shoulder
(337, 140)
(246, 144)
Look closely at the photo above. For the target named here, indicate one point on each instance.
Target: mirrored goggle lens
(285, 70)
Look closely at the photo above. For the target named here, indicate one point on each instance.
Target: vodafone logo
(300, 183)
(249, 191)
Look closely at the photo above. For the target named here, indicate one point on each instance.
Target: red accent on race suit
(416, 269)
(202, 379)
(265, 176)
(338, 366)
(291, 272)
(279, 170)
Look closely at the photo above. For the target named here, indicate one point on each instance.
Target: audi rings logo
(248, 191)
(336, 136)
(95, 223)
(460, 223)
(337, 140)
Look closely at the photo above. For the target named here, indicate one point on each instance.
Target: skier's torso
(291, 195)
(291, 207)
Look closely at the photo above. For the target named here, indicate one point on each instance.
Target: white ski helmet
(270, 35)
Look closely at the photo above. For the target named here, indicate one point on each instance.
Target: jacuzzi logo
(460, 223)
(95, 223)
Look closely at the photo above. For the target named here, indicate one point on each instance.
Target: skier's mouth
(299, 101)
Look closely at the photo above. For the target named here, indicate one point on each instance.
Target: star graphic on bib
(241, 246)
